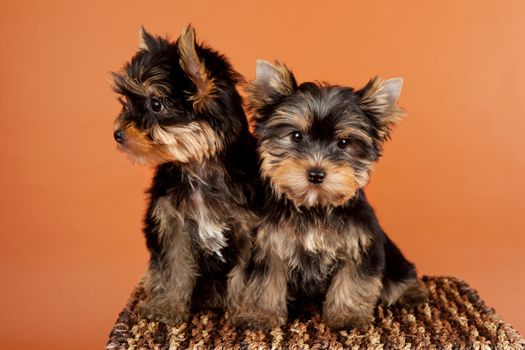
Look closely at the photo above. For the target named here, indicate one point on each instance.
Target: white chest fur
(210, 227)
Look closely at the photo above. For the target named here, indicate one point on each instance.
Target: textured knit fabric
(453, 318)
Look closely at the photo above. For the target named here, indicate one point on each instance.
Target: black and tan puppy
(319, 238)
(182, 113)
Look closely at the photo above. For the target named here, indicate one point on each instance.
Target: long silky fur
(199, 217)
(322, 242)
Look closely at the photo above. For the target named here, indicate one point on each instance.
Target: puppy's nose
(316, 176)
(119, 135)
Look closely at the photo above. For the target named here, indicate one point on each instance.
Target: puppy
(181, 112)
(319, 237)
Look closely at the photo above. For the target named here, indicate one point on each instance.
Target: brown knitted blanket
(453, 318)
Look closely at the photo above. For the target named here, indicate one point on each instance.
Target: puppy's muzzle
(316, 176)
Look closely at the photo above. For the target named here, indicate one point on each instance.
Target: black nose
(119, 135)
(316, 176)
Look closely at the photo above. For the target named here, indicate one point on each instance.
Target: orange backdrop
(449, 188)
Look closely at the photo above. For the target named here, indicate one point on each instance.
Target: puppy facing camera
(318, 236)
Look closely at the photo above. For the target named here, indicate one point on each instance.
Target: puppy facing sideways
(182, 113)
(319, 237)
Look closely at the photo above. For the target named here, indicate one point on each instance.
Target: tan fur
(264, 299)
(195, 69)
(284, 240)
(170, 286)
(192, 142)
(351, 298)
(279, 239)
(237, 281)
(329, 236)
(281, 246)
(290, 177)
(164, 213)
(199, 202)
(209, 223)
(140, 149)
(298, 118)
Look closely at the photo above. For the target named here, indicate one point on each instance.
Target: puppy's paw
(413, 295)
(345, 320)
(169, 314)
(258, 320)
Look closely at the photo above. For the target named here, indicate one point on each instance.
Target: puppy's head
(179, 102)
(318, 143)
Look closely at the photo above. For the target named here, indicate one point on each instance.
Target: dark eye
(297, 136)
(155, 104)
(343, 143)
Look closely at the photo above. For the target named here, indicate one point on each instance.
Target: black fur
(322, 238)
(221, 173)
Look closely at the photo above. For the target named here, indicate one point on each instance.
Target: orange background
(449, 189)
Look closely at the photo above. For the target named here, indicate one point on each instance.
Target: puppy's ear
(194, 67)
(378, 99)
(147, 41)
(272, 82)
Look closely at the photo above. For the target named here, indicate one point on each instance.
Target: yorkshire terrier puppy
(181, 112)
(318, 237)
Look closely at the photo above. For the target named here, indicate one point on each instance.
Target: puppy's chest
(207, 223)
(318, 244)
(317, 253)
(201, 217)
(317, 248)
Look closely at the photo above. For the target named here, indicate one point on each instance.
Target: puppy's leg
(237, 276)
(172, 270)
(351, 297)
(210, 289)
(400, 284)
(263, 303)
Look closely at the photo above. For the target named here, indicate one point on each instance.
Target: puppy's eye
(297, 136)
(343, 143)
(155, 104)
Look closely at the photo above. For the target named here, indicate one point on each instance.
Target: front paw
(259, 320)
(341, 322)
(165, 313)
(414, 295)
(347, 319)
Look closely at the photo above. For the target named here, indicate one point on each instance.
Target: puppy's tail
(400, 283)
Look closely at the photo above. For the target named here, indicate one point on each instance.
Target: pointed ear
(378, 99)
(272, 82)
(147, 41)
(194, 67)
